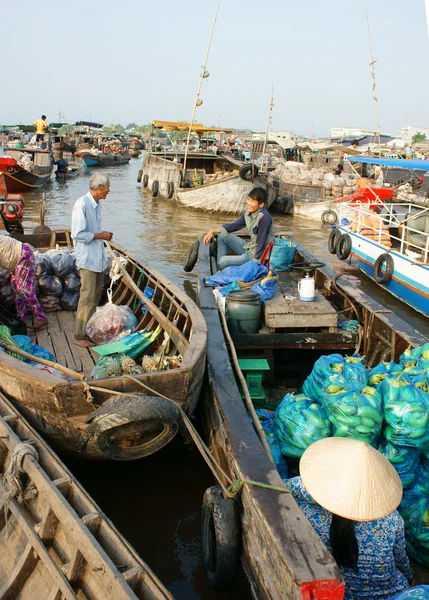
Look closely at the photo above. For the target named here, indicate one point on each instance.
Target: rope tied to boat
(11, 480)
(233, 487)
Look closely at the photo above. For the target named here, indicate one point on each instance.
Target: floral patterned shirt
(383, 566)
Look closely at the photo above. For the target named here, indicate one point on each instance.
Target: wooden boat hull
(59, 409)
(281, 555)
(103, 160)
(14, 179)
(58, 542)
(227, 195)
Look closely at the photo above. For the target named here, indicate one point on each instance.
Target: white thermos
(306, 288)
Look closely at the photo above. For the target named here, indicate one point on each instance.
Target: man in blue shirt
(88, 239)
(259, 223)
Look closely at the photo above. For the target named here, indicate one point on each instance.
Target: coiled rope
(12, 478)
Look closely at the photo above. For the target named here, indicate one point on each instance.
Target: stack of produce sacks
(301, 174)
(58, 279)
(7, 296)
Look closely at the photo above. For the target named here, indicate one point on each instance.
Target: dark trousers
(90, 293)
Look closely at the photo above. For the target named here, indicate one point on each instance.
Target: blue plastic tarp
(250, 271)
(391, 162)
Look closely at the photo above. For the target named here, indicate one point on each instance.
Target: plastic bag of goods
(52, 371)
(110, 322)
(298, 423)
(421, 355)
(266, 418)
(354, 414)
(337, 370)
(69, 300)
(72, 282)
(419, 592)
(383, 370)
(404, 459)
(115, 365)
(406, 411)
(49, 303)
(407, 359)
(139, 341)
(62, 263)
(42, 265)
(414, 509)
(50, 285)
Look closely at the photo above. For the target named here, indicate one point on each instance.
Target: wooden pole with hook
(270, 108)
(202, 76)
(374, 85)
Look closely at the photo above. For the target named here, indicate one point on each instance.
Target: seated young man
(260, 226)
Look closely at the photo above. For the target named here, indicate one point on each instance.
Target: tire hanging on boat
(286, 205)
(333, 241)
(248, 172)
(192, 257)
(383, 259)
(329, 217)
(170, 189)
(139, 176)
(131, 427)
(221, 538)
(145, 180)
(155, 188)
(344, 246)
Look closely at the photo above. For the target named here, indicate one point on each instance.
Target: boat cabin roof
(184, 126)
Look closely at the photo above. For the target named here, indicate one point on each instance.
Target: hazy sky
(139, 60)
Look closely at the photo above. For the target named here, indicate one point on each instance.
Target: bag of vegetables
(337, 370)
(419, 592)
(383, 370)
(414, 509)
(406, 411)
(110, 322)
(354, 414)
(267, 421)
(405, 460)
(298, 423)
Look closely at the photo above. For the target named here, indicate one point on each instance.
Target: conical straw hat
(350, 479)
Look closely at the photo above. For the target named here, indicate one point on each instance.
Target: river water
(156, 502)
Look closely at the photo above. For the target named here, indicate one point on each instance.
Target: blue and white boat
(391, 243)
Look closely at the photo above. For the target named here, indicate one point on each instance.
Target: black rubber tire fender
(170, 189)
(221, 538)
(333, 241)
(286, 206)
(155, 188)
(248, 172)
(379, 276)
(329, 217)
(344, 246)
(130, 427)
(191, 259)
(139, 176)
(145, 180)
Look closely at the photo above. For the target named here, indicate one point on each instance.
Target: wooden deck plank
(62, 350)
(288, 311)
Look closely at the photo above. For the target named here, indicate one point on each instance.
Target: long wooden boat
(15, 179)
(103, 160)
(58, 543)
(281, 555)
(93, 423)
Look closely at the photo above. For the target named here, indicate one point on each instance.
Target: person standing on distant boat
(88, 239)
(260, 226)
(40, 126)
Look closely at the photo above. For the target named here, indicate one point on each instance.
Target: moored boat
(24, 169)
(102, 159)
(112, 417)
(280, 553)
(57, 542)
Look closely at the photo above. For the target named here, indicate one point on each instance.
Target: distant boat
(102, 159)
(19, 175)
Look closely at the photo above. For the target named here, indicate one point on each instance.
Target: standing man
(260, 226)
(40, 126)
(88, 239)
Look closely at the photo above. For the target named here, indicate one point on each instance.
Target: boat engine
(11, 212)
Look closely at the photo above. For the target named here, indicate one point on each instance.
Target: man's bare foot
(83, 343)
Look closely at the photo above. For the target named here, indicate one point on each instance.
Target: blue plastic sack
(383, 370)
(137, 343)
(265, 289)
(298, 423)
(419, 592)
(354, 414)
(232, 287)
(406, 411)
(149, 293)
(414, 509)
(267, 421)
(404, 459)
(25, 343)
(283, 254)
(250, 271)
(334, 369)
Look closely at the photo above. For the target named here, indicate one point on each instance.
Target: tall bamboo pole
(374, 85)
(202, 76)
(270, 108)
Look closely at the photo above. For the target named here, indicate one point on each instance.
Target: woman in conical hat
(349, 492)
